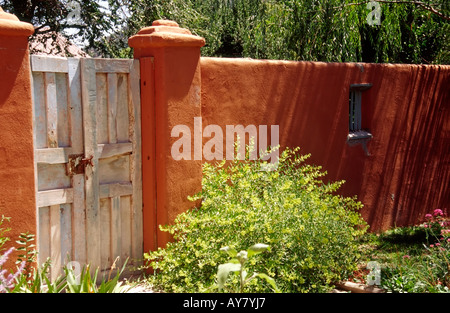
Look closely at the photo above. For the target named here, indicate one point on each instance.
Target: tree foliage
(315, 30)
(90, 22)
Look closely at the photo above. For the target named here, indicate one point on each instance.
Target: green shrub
(3, 237)
(310, 229)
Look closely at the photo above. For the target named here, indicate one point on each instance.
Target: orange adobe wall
(17, 190)
(406, 174)
(170, 96)
(402, 175)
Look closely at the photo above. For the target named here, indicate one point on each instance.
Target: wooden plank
(52, 110)
(360, 87)
(54, 197)
(105, 234)
(126, 231)
(351, 111)
(63, 123)
(115, 190)
(117, 149)
(76, 120)
(116, 229)
(79, 220)
(52, 176)
(89, 102)
(359, 288)
(43, 240)
(112, 107)
(40, 120)
(114, 169)
(137, 231)
(102, 108)
(53, 155)
(48, 64)
(123, 120)
(358, 110)
(35, 182)
(55, 241)
(106, 65)
(66, 233)
(77, 181)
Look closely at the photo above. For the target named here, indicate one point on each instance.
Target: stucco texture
(17, 190)
(406, 174)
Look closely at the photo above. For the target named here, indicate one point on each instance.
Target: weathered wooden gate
(88, 160)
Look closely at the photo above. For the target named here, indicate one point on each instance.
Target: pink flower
(431, 246)
(406, 256)
(8, 282)
(4, 257)
(428, 216)
(438, 212)
(437, 244)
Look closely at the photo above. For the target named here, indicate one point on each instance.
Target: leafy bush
(30, 278)
(3, 237)
(310, 229)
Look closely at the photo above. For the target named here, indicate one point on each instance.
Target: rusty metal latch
(77, 164)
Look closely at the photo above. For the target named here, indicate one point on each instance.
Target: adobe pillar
(17, 180)
(170, 96)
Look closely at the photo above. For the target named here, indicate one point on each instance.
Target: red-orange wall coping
(11, 26)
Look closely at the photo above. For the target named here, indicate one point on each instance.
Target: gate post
(170, 96)
(17, 173)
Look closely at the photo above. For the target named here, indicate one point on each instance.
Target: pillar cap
(11, 26)
(165, 33)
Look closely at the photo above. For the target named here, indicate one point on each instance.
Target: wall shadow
(406, 173)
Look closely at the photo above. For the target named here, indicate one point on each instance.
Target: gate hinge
(77, 164)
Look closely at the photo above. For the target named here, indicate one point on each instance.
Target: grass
(410, 259)
(389, 245)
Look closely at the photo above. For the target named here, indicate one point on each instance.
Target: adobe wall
(406, 174)
(17, 189)
(170, 96)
